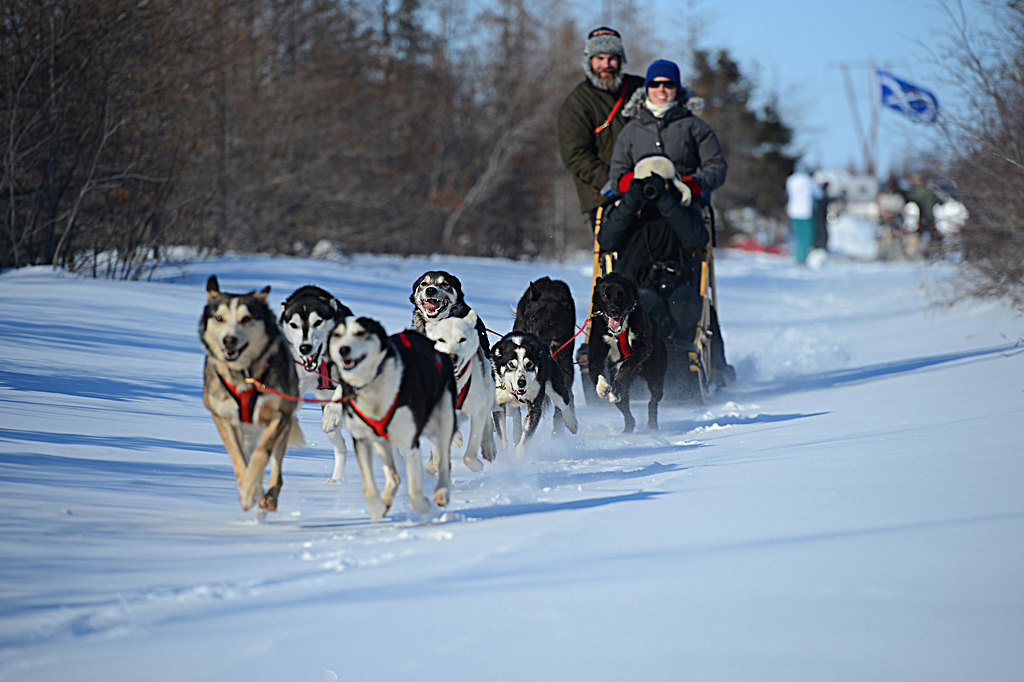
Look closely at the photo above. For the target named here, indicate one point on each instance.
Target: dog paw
(268, 502)
(603, 388)
(473, 463)
(488, 450)
(431, 467)
(441, 497)
(419, 504)
(247, 498)
(377, 509)
(457, 439)
(332, 416)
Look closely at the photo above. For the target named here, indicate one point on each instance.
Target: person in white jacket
(803, 193)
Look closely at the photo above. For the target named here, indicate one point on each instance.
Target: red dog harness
(465, 389)
(380, 426)
(246, 399)
(624, 344)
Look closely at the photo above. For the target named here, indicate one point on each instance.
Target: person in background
(590, 118)
(821, 219)
(802, 193)
(925, 198)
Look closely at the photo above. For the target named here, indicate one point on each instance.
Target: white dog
(474, 398)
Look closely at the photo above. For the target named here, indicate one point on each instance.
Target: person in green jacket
(590, 118)
(926, 200)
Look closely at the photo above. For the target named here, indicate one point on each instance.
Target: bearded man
(591, 117)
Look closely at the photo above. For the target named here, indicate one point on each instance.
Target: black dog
(622, 345)
(548, 310)
(437, 294)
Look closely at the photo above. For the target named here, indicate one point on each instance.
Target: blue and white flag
(917, 103)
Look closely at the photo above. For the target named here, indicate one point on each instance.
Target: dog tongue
(614, 325)
(430, 306)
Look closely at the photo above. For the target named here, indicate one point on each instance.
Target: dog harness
(380, 426)
(624, 344)
(325, 378)
(246, 399)
(465, 389)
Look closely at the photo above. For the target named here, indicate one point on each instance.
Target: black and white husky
(437, 295)
(393, 390)
(308, 316)
(474, 384)
(525, 374)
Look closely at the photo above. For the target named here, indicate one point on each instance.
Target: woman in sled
(666, 162)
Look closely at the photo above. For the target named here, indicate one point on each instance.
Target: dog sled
(689, 376)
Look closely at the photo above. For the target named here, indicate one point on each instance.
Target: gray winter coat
(680, 135)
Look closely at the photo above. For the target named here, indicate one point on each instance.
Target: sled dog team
(392, 390)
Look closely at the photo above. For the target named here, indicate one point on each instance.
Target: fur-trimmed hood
(687, 99)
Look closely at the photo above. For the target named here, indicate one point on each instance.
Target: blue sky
(797, 50)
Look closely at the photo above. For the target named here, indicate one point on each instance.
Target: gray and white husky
(248, 375)
(308, 316)
(393, 390)
(456, 337)
(525, 374)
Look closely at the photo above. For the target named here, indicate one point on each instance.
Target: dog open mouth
(311, 363)
(615, 325)
(433, 306)
(232, 354)
(351, 363)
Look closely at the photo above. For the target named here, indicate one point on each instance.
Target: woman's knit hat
(665, 69)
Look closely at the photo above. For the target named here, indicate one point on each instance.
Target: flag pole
(852, 98)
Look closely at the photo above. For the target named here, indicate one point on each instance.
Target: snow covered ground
(851, 509)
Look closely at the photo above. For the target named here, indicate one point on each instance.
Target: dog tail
(296, 439)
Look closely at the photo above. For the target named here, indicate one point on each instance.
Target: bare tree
(988, 138)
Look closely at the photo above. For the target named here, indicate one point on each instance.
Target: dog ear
(534, 290)
(373, 326)
(212, 287)
(471, 318)
(262, 293)
(454, 281)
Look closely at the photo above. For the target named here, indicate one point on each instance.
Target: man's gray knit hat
(604, 40)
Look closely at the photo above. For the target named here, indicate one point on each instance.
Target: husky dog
(392, 391)
(525, 374)
(624, 345)
(437, 294)
(456, 337)
(307, 318)
(547, 309)
(247, 371)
